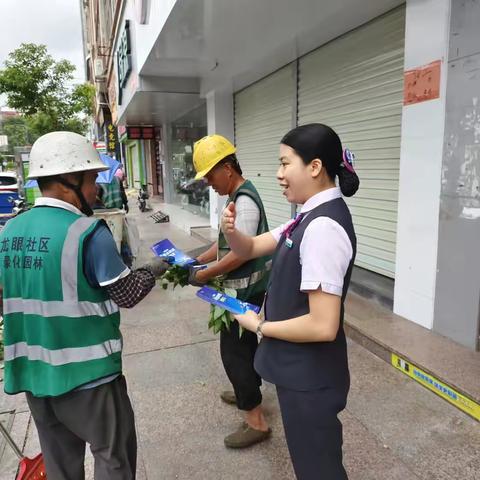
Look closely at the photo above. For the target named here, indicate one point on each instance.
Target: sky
(54, 23)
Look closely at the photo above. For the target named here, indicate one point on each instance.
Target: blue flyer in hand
(227, 302)
(167, 250)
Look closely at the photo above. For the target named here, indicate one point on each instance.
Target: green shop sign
(124, 59)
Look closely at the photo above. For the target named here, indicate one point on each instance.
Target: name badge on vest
(289, 242)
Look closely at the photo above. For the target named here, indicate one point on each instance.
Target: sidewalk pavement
(394, 429)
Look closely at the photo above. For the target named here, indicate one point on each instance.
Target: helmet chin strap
(86, 209)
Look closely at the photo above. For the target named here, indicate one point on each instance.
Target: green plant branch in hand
(219, 318)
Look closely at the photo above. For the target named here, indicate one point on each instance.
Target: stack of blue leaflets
(226, 302)
(166, 249)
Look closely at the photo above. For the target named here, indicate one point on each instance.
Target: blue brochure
(166, 249)
(227, 302)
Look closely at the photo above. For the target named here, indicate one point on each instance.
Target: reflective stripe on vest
(58, 308)
(70, 257)
(245, 282)
(62, 356)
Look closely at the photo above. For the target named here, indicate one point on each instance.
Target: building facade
(398, 81)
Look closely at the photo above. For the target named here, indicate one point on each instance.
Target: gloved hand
(157, 266)
(192, 275)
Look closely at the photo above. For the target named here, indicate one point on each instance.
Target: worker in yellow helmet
(214, 159)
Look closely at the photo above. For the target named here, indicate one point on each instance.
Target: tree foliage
(16, 130)
(41, 89)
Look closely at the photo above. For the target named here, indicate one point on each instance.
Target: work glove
(192, 275)
(157, 266)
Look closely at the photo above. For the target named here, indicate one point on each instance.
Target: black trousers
(237, 357)
(101, 416)
(314, 432)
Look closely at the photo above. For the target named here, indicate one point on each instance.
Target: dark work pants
(314, 432)
(101, 416)
(237, 356)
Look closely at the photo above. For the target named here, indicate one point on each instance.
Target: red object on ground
(28, 468)
(32, 468)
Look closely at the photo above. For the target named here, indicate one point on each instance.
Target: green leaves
(40, 88)
(175, 275)
(219, 318)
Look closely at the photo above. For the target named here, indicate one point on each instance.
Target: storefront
(191, 194)
(352, 65)
(354, 84)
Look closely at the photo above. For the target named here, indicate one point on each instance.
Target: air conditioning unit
(98, 67)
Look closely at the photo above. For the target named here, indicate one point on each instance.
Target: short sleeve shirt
(325, 250)
(247, 215)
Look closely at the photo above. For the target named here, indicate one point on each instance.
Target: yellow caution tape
(448, 393)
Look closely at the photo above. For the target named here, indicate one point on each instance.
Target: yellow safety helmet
(209, 151)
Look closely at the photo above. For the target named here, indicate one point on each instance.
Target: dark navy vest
(303, 366)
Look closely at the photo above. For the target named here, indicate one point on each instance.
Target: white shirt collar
(321, 197)
(55, 202)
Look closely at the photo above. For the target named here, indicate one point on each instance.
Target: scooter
(142, 198)
(19, 205)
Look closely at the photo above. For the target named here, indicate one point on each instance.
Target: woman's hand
(249, 320)
(228, 219)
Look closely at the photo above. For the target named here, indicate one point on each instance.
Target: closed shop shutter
(355, 85)
(263, 114)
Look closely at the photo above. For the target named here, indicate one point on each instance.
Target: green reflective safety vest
(251, 279)
(59, 331)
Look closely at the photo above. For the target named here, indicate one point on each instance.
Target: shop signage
(124, 59)
(112, 139)
(100, 147)
(112, 96)
(140, 133)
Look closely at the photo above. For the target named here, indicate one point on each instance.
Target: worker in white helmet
(63, 283)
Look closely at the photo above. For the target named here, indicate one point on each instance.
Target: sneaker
(246, 436)
(229, 397)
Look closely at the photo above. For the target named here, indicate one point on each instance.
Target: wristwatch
(259, 330)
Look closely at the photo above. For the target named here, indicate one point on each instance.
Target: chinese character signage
(124, 60)
(26, 253)
(111, 138)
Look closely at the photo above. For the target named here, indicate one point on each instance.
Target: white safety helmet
(57, 153)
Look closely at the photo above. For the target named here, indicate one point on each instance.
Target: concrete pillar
(220, 120)
(457, 298)
(167, 164)
(426, 41)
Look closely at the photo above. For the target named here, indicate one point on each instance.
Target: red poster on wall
(422, 83)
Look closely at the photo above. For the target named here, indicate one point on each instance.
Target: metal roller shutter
(263, 114)
(355, 85)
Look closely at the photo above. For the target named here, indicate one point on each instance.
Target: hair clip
(348, 159)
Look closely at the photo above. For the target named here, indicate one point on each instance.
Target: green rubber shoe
(229, 397)
(246, 436)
